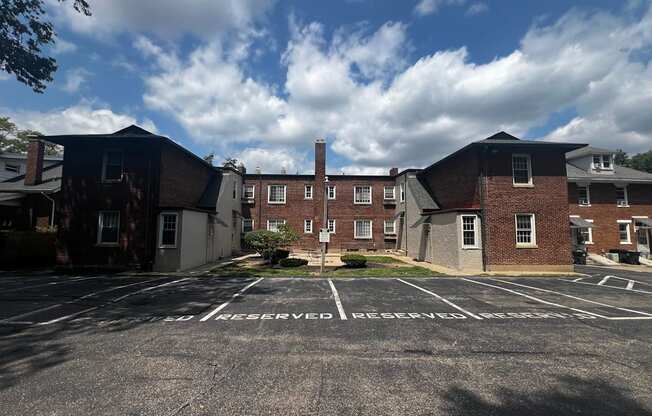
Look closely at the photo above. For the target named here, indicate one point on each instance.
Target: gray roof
(421, 195)
(620, 174)
(587, 151)
(51, 182)
(208, 199)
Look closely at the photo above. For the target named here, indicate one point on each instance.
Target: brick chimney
(320, 160)
(320, 176)
(34, 168)
(393, 172)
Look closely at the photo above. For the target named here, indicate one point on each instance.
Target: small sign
(324, 236)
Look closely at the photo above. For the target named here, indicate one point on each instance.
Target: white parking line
(147, 289)
(630, 285)
(604, 280)
(631, 280)
(77, 279)
(534, 298)
(338, 302)
(459, 308)
(225, 304)
(612, 287)
(573, 297)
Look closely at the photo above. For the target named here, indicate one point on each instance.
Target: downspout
(483, 217)
(53, 208)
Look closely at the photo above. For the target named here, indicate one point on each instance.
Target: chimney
(34, 169)
(393, 172)
(320, 160)
(258, 170)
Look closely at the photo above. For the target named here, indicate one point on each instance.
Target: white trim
(243, 223)
(533, 228)
(100, 226)
(244, 191)
(588, 196)
(529, 170)
(328, 226)
(305, 191)
(276, 220)
(626, 194)
(393, 222)
(475, 231)
(105, 159)
(355, 230)
(269, 193)
(393, 187)
(590, 230)
(305, 229)
(629, 234)
(160, 229)
(355, 194)
(328, 194)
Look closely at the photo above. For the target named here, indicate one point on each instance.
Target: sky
(387, 83)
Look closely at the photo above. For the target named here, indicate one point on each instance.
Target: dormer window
(602, 162)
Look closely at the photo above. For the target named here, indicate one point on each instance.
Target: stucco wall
(446, 242)
(227, 232)
(168, 259)
(193, 239)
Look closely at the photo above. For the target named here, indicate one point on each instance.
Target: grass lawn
(377, 266)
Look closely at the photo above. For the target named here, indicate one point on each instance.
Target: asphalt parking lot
(187, 345)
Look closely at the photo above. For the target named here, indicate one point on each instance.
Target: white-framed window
(362, 194)
(331, 192)
(521, 170)
(13, 168)
(307, 226)
(402, 192)
(247, 225)
(389, 193)
(583, 195)
(623, 231)
(390, 227)
(167, 236)
(248, 191)
(362, 229)
(525, 230)
(331, 226)
(112, 166)
(276, 194)
(307, 191)
(602, 162)
(585, 234)
(621, 196)
(108, 227)
(274, 225)
(469, 231)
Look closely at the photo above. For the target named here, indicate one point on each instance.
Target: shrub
(279, 254)
(293, 262)
(354, 260)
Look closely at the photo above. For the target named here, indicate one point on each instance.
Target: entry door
(643, 239)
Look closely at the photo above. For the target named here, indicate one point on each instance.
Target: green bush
(293, 262)
(354, 260)
(267, 243)
(279, 254)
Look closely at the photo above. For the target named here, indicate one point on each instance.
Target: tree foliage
(640, 161)
(14, 140)
(23, 33)
(267, 242)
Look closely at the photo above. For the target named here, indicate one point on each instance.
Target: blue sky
(387, 83)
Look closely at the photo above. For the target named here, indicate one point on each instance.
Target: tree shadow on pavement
(570, 396)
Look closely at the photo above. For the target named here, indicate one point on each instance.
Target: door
(643, 240)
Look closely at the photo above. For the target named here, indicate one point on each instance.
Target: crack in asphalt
(213, 383)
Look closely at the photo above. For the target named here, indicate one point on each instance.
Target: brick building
(610, 205)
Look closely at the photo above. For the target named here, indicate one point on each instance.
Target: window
(276, 194)
(583, 196)
(585, 235)
(362, 229)
(168, 227)
(402, 192)
(112, 166)
(525, 230)
(248, 191)
(273, 225)
(331, 192)
(469, 231)
(235, 190)
(362, 194)
(247, 225)
(108, 226)
(390, 227)
(623, 232)
(521, 170)
(621, 196)
(307, 192)
(602, 162)
(9, 167)
(389, 193)
(307, 226)
(331, 226)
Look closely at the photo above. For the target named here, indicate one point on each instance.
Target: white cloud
(379, 111)
(62, 46)
(477, 8)
(75, 79)
(274, 160)
(426, 7)
(164, 18)
(83, 118)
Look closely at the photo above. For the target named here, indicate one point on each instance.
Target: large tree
(23, 32)
(14, 140)
(642, 161)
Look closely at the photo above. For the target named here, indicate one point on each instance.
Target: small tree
(267, 242)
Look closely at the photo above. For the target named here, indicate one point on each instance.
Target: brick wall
(547, 199)
(183, 178)
(454, 182)
(604, 212)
